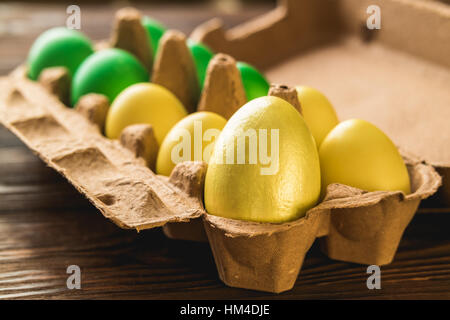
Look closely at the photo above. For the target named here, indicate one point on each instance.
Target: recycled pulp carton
(397, 76)
(115, 175)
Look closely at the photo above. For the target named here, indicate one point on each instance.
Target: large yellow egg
(147, 103)
(317, 111)
(190, 139)
(265, 165)
(358, 154)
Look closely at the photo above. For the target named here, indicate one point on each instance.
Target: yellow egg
(358, 154)
(147, 103)
(317, 111)
(265, 165)
(190, 139)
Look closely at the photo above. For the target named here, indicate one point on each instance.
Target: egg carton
(396, 77)
(116, 175)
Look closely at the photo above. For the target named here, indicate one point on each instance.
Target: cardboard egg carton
(396, 77)
(117, 177)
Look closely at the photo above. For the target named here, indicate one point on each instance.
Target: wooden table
(45, 225)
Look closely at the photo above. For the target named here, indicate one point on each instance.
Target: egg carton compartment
(353, 226)
(396, 77)
(117, 177)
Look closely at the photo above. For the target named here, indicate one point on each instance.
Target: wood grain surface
(45, 225)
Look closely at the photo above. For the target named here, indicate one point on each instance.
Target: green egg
(58, 47)
(202, 55)
(108, 72)
(255, 84)
(155, 30)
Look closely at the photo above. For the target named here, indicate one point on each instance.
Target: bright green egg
(108, 72)
(202, 55)
(255, 84)
(155, 30)
(58, 47)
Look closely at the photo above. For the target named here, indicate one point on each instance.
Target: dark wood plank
(45, 225)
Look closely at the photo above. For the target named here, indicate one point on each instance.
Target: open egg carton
(397, 76)
(116, 175)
